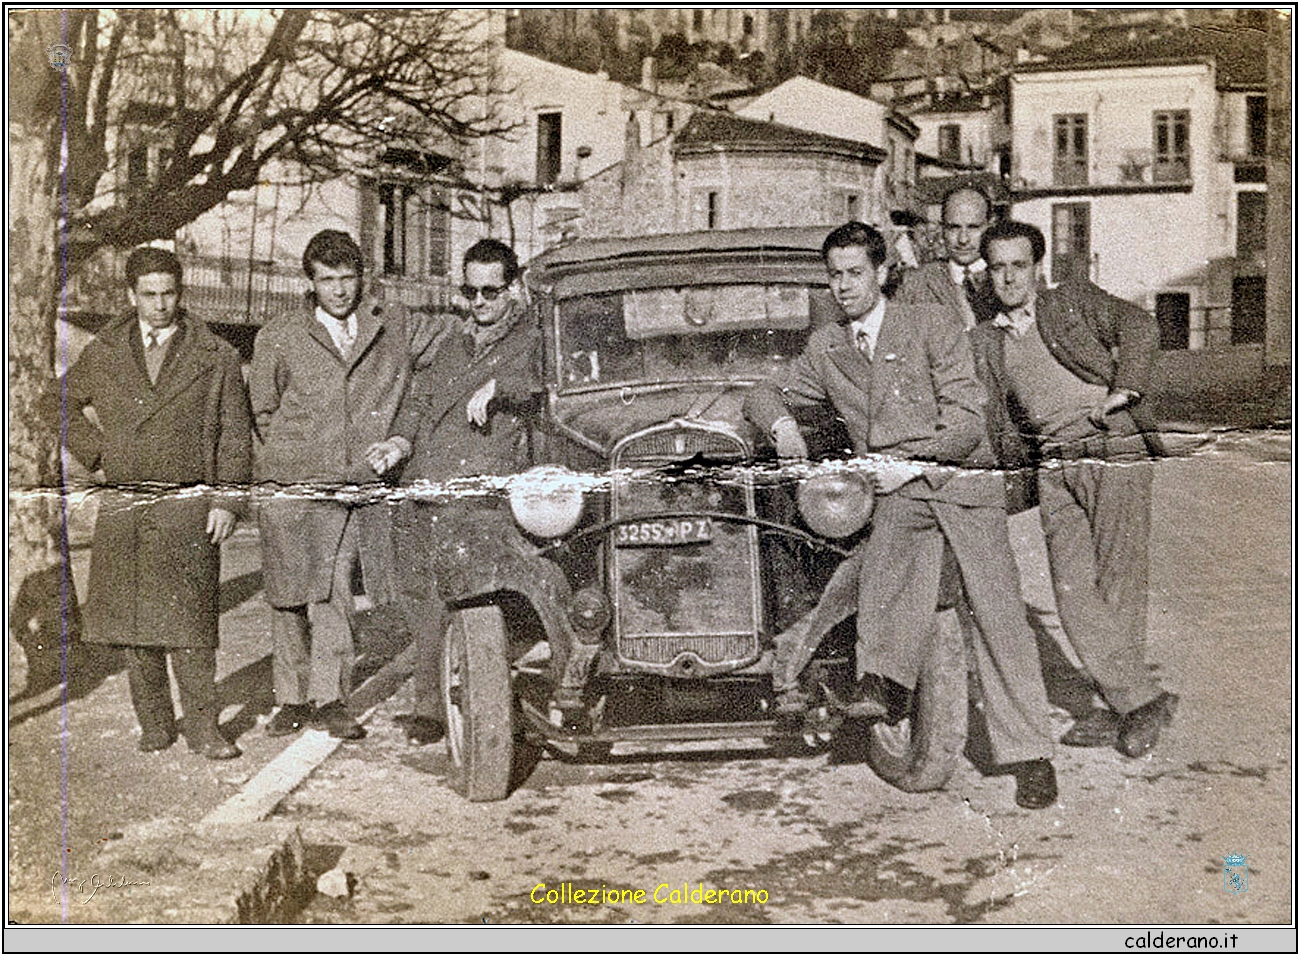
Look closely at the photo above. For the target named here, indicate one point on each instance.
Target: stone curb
(234, 866)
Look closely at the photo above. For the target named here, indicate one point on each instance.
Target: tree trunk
(36, 573)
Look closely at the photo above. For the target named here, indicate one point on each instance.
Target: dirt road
(1130, 841)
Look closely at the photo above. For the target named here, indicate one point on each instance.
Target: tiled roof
(707, 131)
(1240, 53)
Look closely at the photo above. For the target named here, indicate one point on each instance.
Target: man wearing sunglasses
(469, 411)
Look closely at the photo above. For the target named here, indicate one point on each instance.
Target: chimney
(648, 73)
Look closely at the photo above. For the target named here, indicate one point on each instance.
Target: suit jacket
(153, 571)
(918, 398)
(317, 412)
(931, 285)
(1101, 338)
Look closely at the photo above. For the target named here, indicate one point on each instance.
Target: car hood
(602, 418)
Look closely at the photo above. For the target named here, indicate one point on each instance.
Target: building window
(437, 217)
(1251, 224)
(950, 142)
(548, 148)
(1071, 241)
(1174, 316)
(713, 211)
(1172, 147)
(392, 213)
(416, 231)
(1257, 125)
(747, 25)
(697, 20)
(1248, 314)
(853, 207)
(1070, 153)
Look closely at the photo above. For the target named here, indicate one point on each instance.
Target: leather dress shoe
(1035, 783)
(1099, 727)
(1139, 730)
(214, 747)
(867, 701)
(289, 719)
(335, 718)
(424, 730)
(154, 742)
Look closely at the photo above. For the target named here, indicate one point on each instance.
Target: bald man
(960, 283)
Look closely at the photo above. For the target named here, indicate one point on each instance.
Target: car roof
(719, 256)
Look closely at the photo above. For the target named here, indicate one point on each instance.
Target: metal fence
(235, 292)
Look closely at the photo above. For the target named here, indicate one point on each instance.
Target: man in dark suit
(902, 379)
(961, 282)
(169, 407)
(468, 411)
(1070, 366)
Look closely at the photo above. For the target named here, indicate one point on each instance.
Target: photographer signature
(94, 882)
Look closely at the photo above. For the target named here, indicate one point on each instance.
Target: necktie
(344, 337)
(864, 343)
(979, 296)
(153, 355)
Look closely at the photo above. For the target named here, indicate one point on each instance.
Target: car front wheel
(920, 751)
(476, 695)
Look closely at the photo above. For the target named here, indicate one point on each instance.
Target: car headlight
(546, 500)
(836, 505)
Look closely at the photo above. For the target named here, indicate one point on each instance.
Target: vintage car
(659, 546)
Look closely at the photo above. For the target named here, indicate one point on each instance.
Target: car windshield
(655, 336)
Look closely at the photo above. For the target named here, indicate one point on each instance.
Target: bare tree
(238, 89)
(220, 96)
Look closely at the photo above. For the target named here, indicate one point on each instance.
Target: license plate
(665, 531)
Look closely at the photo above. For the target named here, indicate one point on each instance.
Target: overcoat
(446, 444)
(154, 573)
(930, 284)
(317, 412)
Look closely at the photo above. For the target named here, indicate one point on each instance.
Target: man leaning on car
(468, 411)
(903, 380)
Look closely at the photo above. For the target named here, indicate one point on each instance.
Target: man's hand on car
(789, 442)
(385, 455)
(888, 475)
(477, 409)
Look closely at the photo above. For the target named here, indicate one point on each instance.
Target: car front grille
(679, 444)
(661, 650)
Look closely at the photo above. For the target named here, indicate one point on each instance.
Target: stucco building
(1145, 167)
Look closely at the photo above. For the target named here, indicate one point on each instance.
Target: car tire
(474, 679)
(919, 752)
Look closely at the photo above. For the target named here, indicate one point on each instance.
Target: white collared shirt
(1017, 321)
(161, 336)
(958, 273)
(869, 325)
(342, 332)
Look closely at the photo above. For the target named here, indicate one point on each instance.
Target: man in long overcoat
(170, 408)
(468, 413)
(326, 384)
